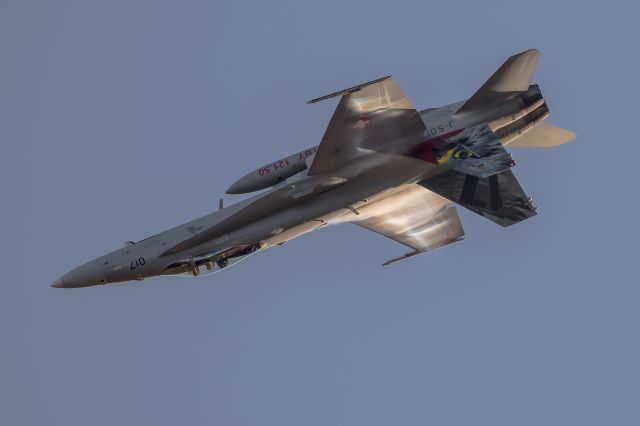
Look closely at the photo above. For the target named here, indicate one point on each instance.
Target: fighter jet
(381, 165)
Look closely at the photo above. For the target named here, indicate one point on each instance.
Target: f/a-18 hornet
(381, 165)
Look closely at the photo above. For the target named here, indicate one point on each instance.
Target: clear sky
(119, 119)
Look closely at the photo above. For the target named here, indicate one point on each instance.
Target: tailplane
(499, 197)
(544, 135)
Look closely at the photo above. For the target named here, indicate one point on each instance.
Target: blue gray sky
(120, 119)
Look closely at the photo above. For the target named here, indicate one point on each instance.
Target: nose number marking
(136, 263)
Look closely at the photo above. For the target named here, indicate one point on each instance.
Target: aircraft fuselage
(297, 204)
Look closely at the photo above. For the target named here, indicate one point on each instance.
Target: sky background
(119, 119)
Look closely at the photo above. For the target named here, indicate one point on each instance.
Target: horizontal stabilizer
(543, 135)
(499, 198)
(511, 78)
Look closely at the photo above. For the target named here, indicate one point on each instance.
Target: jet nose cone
(86, 275)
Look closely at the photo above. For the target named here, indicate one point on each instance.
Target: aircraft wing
(413, 216)
(368, 116)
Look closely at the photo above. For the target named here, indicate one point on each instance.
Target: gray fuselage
(310, 202)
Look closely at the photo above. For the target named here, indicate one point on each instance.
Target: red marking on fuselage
(424, 150)
(361, 124)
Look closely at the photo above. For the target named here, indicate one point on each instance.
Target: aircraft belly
(304, 216)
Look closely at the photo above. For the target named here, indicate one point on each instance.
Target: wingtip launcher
(349, 90)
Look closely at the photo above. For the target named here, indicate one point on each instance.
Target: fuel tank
(273, 173)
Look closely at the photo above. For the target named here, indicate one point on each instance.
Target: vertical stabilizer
(511, 78)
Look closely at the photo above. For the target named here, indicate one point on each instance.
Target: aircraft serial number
(275, 166)
(286, 162)
(440, 128)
